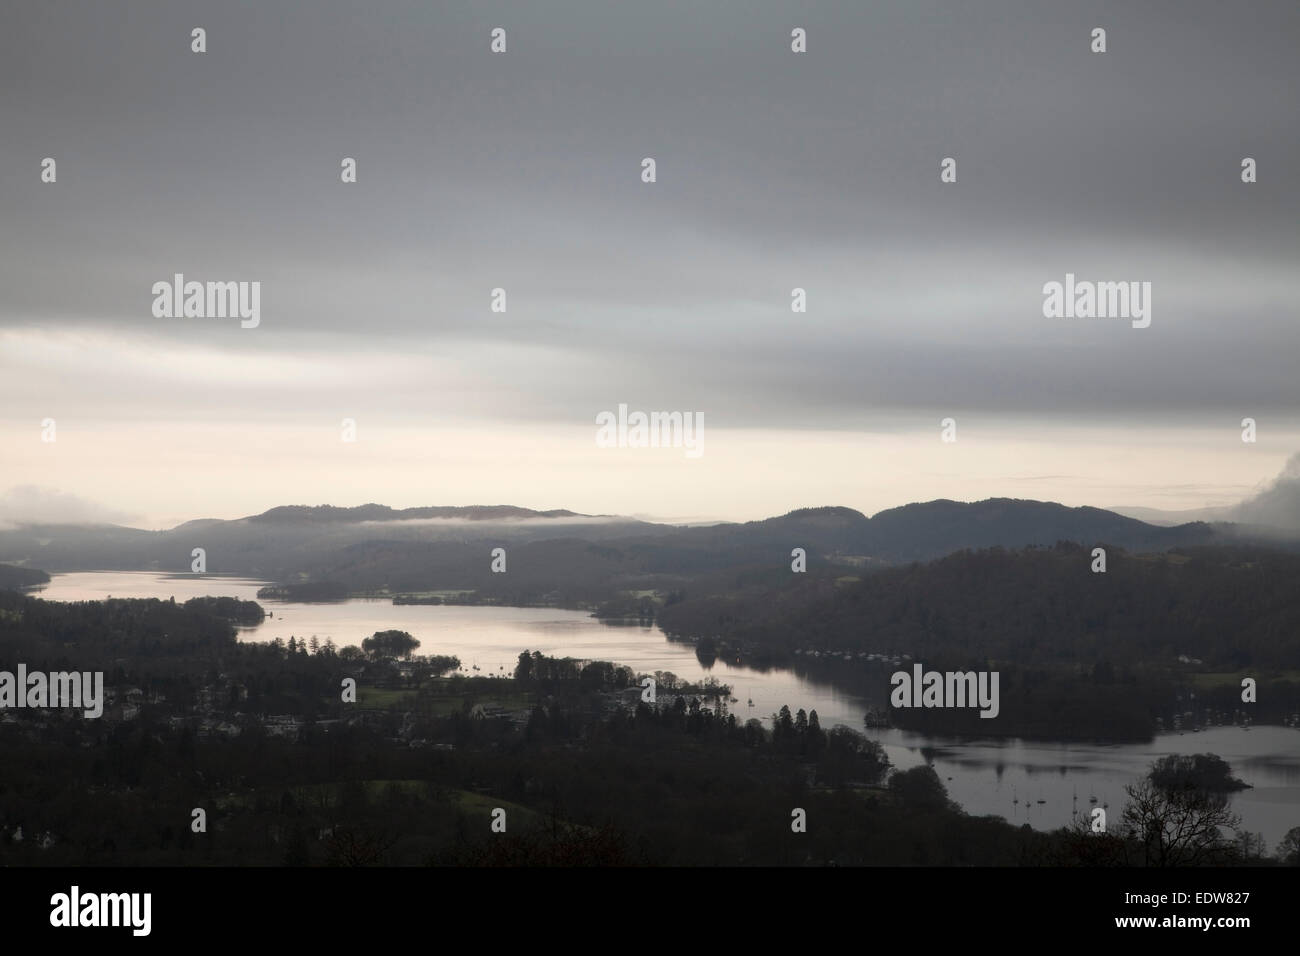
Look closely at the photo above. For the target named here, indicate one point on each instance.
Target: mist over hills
(373, 546)
(374, 512)
(566, 556)
(573, 559)
(1002, 578)
(1165, 518)
(1277, 507)
(1274, 511)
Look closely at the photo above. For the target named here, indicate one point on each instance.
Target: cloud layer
(522, 171)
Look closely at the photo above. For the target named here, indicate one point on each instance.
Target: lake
(1003, 777)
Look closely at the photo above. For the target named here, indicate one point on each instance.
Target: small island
(306, 592)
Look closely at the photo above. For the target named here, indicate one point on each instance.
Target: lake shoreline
(986, 774)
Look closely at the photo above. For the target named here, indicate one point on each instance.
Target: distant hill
(1163, 518)
(12, 578)
(563, 557)
(919, 531)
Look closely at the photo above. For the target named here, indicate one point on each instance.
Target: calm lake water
(1002, 777)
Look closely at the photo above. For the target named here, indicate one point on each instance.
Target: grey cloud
(33, 504)
(776, 170)
(1278, 505)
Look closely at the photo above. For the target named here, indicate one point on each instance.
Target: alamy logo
(211, 300)
(102, 909)
(950, 689)
(1098, 300)
(652, 430)
(56, 689)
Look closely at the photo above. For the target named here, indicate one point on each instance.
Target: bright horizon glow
(159, 474)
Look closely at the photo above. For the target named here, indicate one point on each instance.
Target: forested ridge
(1230, 607)
(1153, 640)
(16, 577)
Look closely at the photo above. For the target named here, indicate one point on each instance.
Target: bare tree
(1181, 827)
(346, 847)
(1250, 847)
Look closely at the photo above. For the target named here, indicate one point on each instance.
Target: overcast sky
(522, 170)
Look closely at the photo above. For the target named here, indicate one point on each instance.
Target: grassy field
(383, 697)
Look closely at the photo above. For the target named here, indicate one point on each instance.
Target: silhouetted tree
(1288, 851)
(920, 788)
(385, 645)
(1179, 824)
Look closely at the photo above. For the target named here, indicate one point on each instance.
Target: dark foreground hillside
(210, 751)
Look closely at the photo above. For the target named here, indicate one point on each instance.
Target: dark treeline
(549, 675)
(1230, 608)
(305, 591)
(1099, 703)
(1080, 654)
(14, 577)
(1039, 703)
(235, 611)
